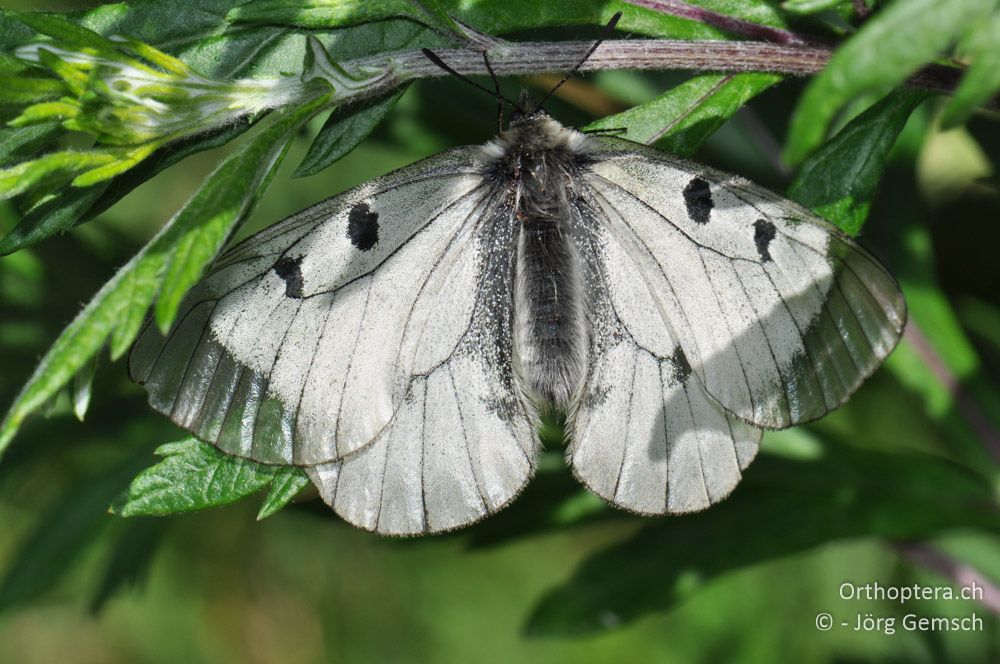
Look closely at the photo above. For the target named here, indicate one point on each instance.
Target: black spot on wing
(362, 227)
(698, 198)
(679, 363)
(290, 270)
(763, 233)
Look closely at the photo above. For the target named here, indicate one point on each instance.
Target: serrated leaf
(343, 130)
(192, 476)
(890, 46)
(287, 484)
(839, 492)
(839, 180)
(175, 258)
(72, 206)
(682, 118)
(195, 33)
(982, 79)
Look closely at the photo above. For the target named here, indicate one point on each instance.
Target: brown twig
(640, 54)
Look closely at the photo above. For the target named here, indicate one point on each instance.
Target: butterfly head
(526, 110)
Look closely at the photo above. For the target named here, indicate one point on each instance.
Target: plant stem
(523, 58)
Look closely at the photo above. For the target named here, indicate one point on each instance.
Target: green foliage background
(903, 471)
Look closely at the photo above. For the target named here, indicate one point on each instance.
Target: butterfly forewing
(780, 315)
(462, 443)
(299, 345)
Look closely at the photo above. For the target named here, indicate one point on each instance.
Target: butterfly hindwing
(644, 434)
(780, 315)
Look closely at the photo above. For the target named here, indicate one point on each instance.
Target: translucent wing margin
(780, 315)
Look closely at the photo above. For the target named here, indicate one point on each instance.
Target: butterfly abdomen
(550, 334)
(551, 328)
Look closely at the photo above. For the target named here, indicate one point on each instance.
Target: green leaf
(125, 160)
(981, 319)
(196, 33)
(343, 130)
(194, 475)
(199, 35)
(16, 142)
(813, 6)
(682, 118)
(50, 170)
(324, 14)
(936, 360)
(65, 31)
(839, 180)
(13, 32)
(500, 16)
(553, 500)
(287, 484)
(64, 530)
(982, 80)
(51, 216)
(130, 559)
(893, 44)
(815, 493)
(175, 258)
(72, 206)
(21, 89)
(82, 384)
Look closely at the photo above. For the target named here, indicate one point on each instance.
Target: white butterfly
(399, 340)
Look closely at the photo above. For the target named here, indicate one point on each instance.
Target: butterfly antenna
(607, 33)
(432, 56)
(496, 86)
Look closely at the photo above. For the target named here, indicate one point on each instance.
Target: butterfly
(401, 340)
